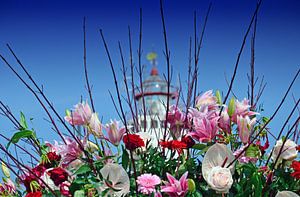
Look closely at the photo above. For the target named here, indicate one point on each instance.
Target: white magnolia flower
(289, 151)
(220, 179)
(286, 194)
(218, 155)
(116, 180)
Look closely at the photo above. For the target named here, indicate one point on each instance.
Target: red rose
(34, 194)
(133, 141)
(296, 166)
(58, 175)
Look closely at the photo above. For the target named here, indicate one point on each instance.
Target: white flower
(220, 179)
(289, 151)
(286, 194)
(218, 155)
(115, 179)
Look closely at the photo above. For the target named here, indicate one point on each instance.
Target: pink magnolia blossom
(207, 99)
(69, 152)
(115, 133)
(94, 126)
(204, 129)
(176, 118)
(224, 121)
(147, 182)
(245, 126)
(81, 115)
(176, 188)
(242, 109)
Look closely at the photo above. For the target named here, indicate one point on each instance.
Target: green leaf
(199, 146)
(231, 107)
(23, 121)
(79, 193)
(125, 159)
(83, 169)
(19, 135)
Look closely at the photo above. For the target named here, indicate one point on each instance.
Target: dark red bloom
(188, 141)
(39, 170)
(165, 144)
(34, 194)
(133, 141)
(53, 160)
(298, 148)
(58, 175)
(296, 166)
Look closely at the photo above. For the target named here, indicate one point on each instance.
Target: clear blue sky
(47, 36)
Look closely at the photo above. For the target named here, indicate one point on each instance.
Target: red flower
(296, 166)
(39, 170)
(133, 141)
(34, 194)
(298, 148)
(188, 141)
(53, 159)
(58, 175)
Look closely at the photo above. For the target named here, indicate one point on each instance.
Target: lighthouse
(154, 99)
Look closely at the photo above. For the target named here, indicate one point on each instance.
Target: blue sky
(48, 38)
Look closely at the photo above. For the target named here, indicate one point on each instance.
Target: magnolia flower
(214, 166)
(289, 151)
(147, 182)
(242, 109)
(176, 118)
(115, 134)
(204, 129)
(176, 188)
(94, 125)
(80, 116)
(224, 121)
(245, 126)
(286, 194)
(207, 99)
(69, 152)
(220, 179)
(115, 179)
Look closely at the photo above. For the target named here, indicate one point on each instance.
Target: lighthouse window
(154, 124)
(143, 124)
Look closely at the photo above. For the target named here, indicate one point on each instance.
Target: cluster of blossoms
(120, 162)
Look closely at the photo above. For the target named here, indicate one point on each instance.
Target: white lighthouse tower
(154, 99)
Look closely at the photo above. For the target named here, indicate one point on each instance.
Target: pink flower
(176, 119)
(64, 189)
(224, 121)
(80, 116)
(176, 188)
(115, 133)
(157, 194)
(69, 152)
(245, 126)
(204, 129)
(94, 126)
(147, 182)
(207, 99)
(242, 109)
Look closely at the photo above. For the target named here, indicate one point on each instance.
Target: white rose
(289, 151)
(220, 179)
